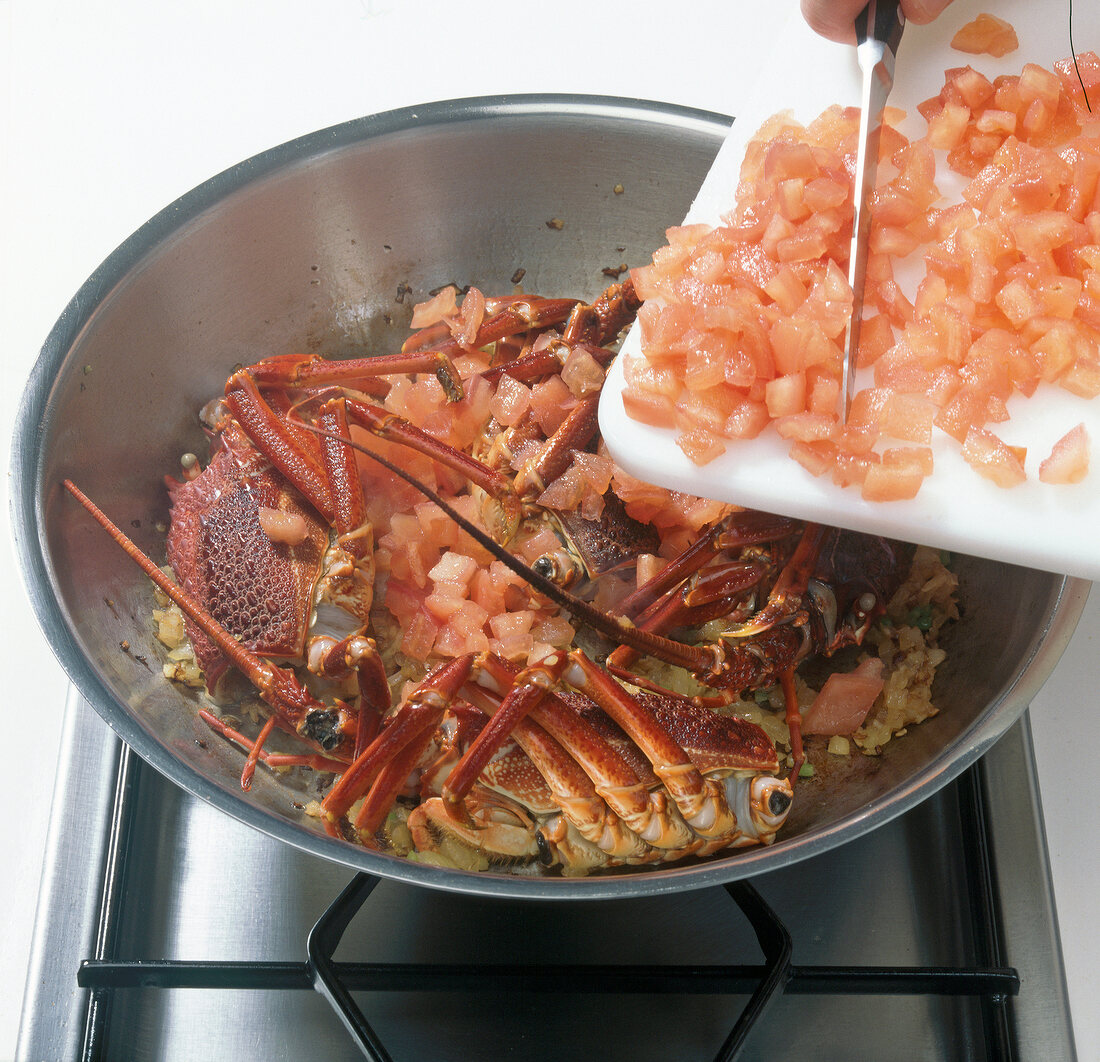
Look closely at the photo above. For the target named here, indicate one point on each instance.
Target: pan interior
(324, 245)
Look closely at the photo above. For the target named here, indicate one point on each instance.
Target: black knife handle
(880, 20)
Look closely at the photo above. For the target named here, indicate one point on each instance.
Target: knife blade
(878, 32)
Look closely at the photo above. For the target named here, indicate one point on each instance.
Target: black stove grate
(992, 983)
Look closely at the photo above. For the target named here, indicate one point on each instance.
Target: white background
(112, 110)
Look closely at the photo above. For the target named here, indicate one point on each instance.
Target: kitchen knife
(878, 32)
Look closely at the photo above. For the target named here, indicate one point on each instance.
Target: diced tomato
(420, 635)
(551, 401)
(581, 373)
(993, 458)
(787, 289)
(510, 401)
(1036, 119)
(852, 469)
(866, 412)
(749, 262)
(647, 408)
(453, 568)
(468, 322)
(807, 427)
(801, 246)
(445, 600)
(891, 482)
(876, 336)
(798, 344)
(787, 158)
(463, 632)
(489, 592)
(786, 395)
(968, 86)
(856, 439)
(894, 241)
(1082, 378)
(908, 417)
(909, 458)
(706, 361)
(1069, 459)
(1038, 84)
(640, 374)
(1083, 70)
(816, 457)
(845, 700)
(747, 420)
(554, 630)
(700, 445)
(439, 307)
(709, 409)
(745, 321)
(1006, 94)
(1056, 349)
(947, 127)
(825, 193)
(824, 393)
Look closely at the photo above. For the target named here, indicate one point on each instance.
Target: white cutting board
(1055, 528)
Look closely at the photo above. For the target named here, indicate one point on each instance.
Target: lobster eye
(770, 799)
(322, 726)
(545, 566)
(559, 567)
(546, 855)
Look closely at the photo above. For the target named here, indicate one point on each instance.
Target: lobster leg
(517, 316)
(419, 714)
(644, 813)
(700, 802)
(745, 528)
(705, 596)
(794, 721)
(575, 433)
(388, 783)
(499, 826)
(310, 371)
(254, 754)
(272, 759)
(615, 308)
(528, 690)
(536, 364)
(581, 805)
(601, 322)
(282, 446)
(787, 595)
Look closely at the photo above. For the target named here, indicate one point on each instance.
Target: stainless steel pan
(323, 244)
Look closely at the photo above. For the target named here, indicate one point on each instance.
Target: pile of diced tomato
(744, 326)
(448, 594)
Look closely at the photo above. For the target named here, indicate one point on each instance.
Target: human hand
(833, 18)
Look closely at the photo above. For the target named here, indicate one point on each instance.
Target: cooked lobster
(558, 759)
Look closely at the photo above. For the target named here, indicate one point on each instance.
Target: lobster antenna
(1073, 52)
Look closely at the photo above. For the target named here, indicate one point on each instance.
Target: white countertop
(115, 109)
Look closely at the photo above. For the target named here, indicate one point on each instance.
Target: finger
(922, 12)
(833, 19)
